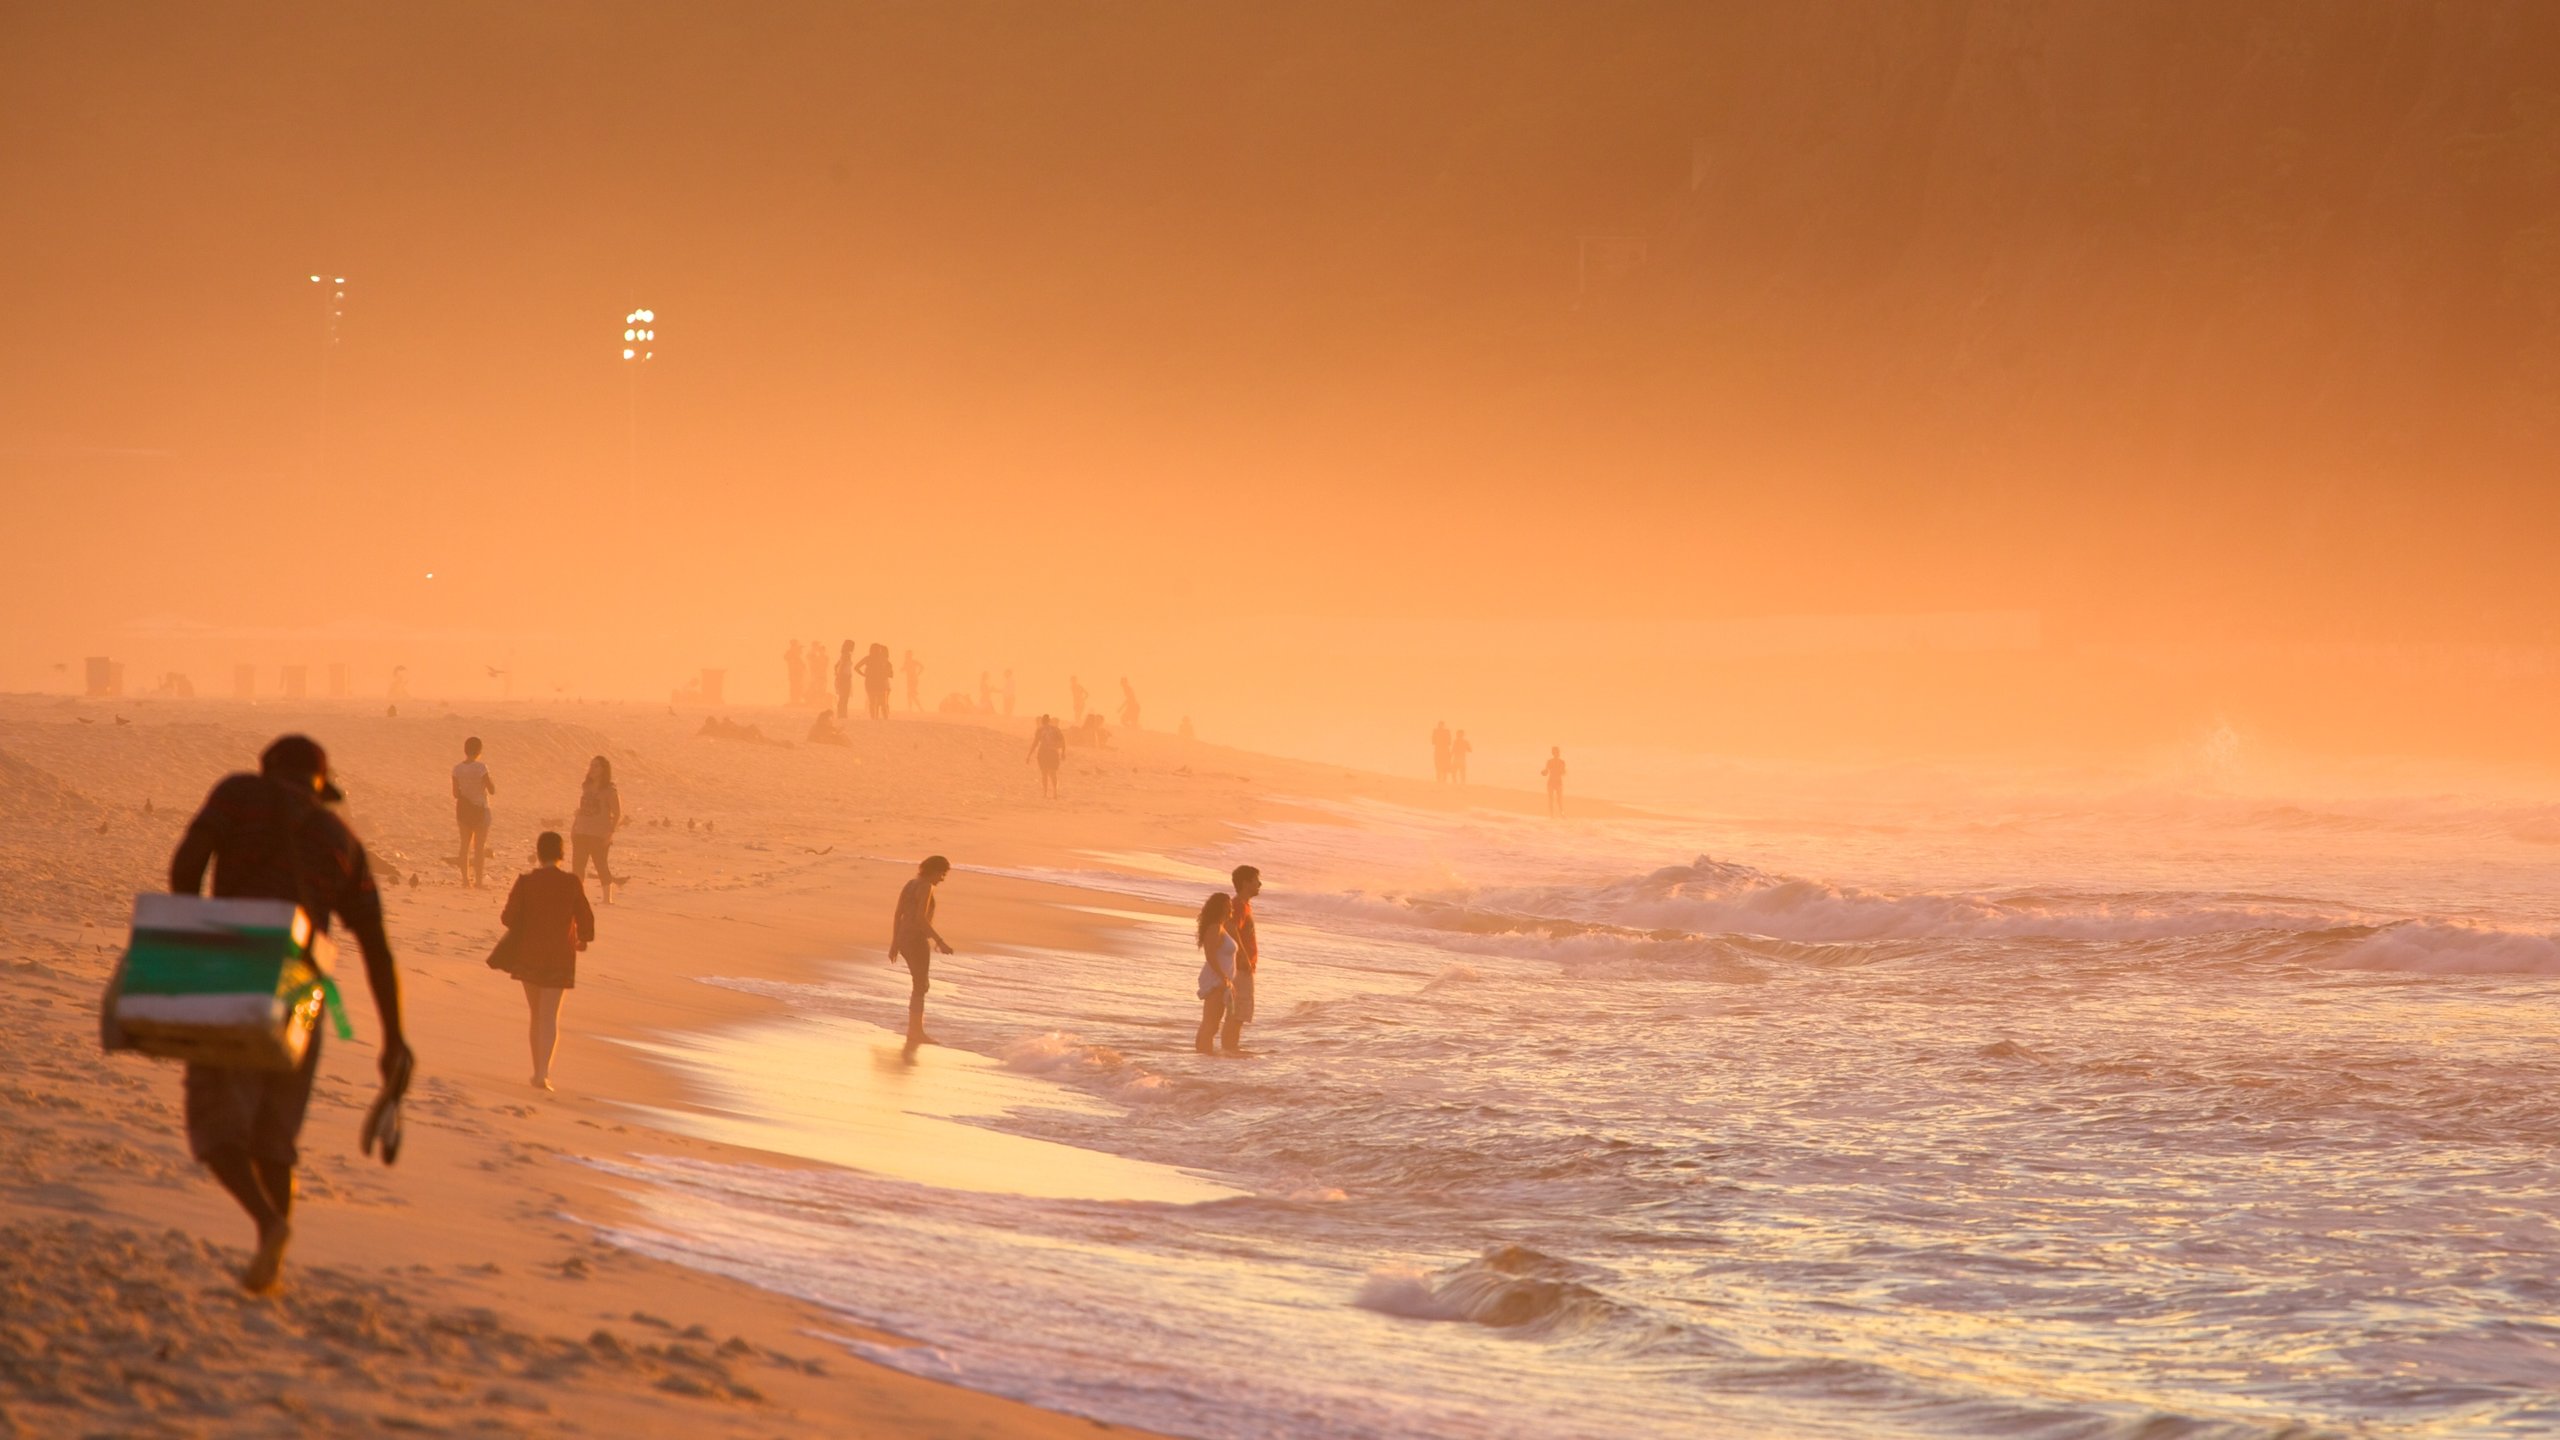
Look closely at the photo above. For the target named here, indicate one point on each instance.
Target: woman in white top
(591, 833)
(1218, 970)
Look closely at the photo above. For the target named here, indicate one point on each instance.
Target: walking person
(1217, 969)
(272, 836)
(1049, 747)
(548, 922)
(875, 672)
(1554, 771)
(844, 680)
(1248, 883)
(912, 940)
(915, 680)
(472, 791)
(591, 831)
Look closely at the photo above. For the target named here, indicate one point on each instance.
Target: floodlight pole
(639, 346)
(333, 290)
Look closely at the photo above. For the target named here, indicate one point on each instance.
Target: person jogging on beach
(912, 939)
(272, 836)
(1248, 883)
(472, 789)
(1554, 772)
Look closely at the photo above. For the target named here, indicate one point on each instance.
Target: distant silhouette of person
(548, 922)
(472, 790)
(1554, 772)
(1008, 694)
(1459, 749)
(1128, 704)
(797, 672)
(1049, 747)
(874, 670)
(1217, 969)
(844, 680)
(591, 831)
(1440, 751)
(1248, 883)
(1078, 694)
(915, 681)
(912, 939)
(273, 836)
(826, 731)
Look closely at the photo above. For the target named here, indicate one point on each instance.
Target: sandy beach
(466, 1289)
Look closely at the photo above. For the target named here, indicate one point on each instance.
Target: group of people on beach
(1449, 752)
(276, 834)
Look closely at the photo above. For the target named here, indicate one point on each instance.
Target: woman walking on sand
(1217, 970)
(591, 833)
(548, 922)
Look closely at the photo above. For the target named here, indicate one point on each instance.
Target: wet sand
(466, 1288)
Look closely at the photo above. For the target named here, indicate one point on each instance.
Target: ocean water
(2168, 1115)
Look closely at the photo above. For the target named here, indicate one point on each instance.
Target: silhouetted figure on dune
(875, 671)
(591, 829)
(1554, 772)
(1049, 748)
(472, 791)
(912, 941)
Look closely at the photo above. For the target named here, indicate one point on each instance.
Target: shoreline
(492, 1175)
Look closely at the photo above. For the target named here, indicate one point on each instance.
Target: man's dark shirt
(267, 841)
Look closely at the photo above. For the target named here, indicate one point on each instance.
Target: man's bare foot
(543, 1083)
(265, 1275)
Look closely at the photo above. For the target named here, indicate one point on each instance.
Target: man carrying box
(272, 836)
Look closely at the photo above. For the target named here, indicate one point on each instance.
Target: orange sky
(1245, 351)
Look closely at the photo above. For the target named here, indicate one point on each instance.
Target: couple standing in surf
(1230, 952)
(1226, 937)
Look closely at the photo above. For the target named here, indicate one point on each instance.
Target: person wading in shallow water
(912, 939)
(271, 836)
(1217, 969)
(1248, 883)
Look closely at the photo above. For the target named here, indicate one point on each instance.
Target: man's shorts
(474, 819)
(1241, 1006)
(256, 1111)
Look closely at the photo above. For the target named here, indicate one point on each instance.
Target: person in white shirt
(1217, 970)
(472, 789)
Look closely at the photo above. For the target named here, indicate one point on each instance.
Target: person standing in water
(1248, 883)
(874, 670)
(273, 836)
(548, 922)
(912, 939)
(1440, 752)
(1554, 772)
(1128, 704)
(591, 831)
(1217, 969)
(915, 679)
(844, 680)
(1078, 694)
(1459, 750)
(1049, 747)
(472, 791)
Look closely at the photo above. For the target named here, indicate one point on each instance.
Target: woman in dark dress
(548, 922)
